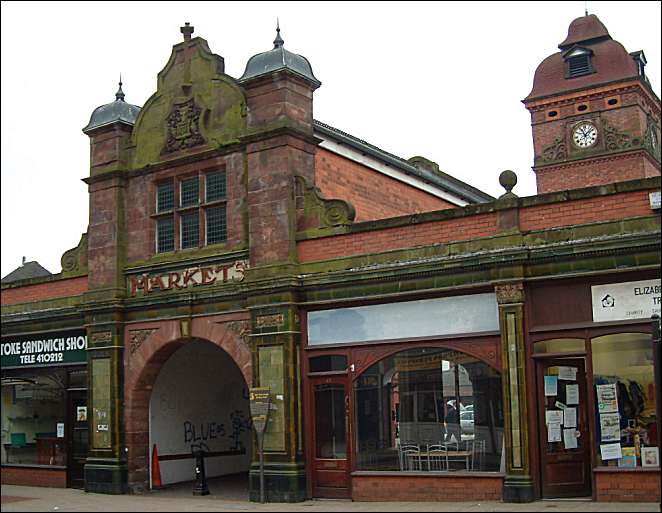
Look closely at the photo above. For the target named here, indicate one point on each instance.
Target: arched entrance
(163, 371)
(199, 399)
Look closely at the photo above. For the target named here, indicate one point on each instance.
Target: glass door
(330, 438)
(77, 438)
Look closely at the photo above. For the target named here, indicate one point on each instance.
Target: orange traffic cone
(156, 470)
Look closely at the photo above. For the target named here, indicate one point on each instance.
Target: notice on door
(626, 301)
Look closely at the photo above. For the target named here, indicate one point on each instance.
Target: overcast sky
(442, 80)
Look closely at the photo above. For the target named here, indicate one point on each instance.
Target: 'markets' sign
(186, 278)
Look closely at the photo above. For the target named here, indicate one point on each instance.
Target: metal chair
(437, 457)
(410, 457)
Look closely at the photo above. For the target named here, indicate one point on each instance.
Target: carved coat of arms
(183, 127)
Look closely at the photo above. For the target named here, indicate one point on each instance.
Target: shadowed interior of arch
(200, 399)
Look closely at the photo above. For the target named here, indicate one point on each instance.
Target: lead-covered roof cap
(609, 60)
(118, 111)
(279, 59)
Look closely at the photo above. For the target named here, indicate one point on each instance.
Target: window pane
(190, 194)
(165, 197)
(429, 400)
(328, 363)
(330, 429)
(215, 186)
(190, 230)
(559, 345)
(165, 233)
(32, 408)
(623, 366)
(217, 230)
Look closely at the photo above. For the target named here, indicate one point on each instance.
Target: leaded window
(190, 224)
(190, 192)
(165, 235)
(217, 230)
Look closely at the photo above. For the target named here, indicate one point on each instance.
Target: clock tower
(594, 116)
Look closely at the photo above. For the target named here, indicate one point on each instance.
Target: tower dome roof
(279, 59)
(118, 111)
(610, 60)
(584, 29)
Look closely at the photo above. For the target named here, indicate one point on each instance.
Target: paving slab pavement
(30, 498)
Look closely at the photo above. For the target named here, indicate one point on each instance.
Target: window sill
(442, 474)
(625, 469)
(34, 465)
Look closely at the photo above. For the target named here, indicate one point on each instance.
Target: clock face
(585, 134)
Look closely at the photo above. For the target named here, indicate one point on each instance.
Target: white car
(467, 421)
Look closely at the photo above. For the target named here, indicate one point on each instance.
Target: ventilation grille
(579, 65)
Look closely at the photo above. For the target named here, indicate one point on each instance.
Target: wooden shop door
(564, 448)
(330, 472)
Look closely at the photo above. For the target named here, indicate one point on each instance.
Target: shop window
(430, 409)
(328, 363)
(624, 388)
(33, 417)
(196, 205)
(559, 345)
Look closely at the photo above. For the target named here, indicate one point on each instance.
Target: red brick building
(411, 329)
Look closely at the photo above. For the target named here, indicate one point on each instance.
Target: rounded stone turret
(118, 111)
(279, 59)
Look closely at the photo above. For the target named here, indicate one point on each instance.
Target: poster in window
(568, 373)
(610, 427)
(551, 386)
(607, 399)
(81, 413)
(572, 394)
(570, 417)
(554, 432)
(628, 458)
(570, 438)
(650, 457)
(610, 452)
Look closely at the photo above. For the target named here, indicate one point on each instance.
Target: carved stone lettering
(103, 337)
(270, 321)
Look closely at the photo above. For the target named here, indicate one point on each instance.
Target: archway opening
(200, 400)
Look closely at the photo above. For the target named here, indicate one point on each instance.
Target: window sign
(473, 313)
(626, 301)
(41, 350)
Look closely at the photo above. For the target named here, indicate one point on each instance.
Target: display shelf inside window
(624, 388)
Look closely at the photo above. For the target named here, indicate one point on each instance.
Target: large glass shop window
(33, 416)
(429, 409)
(624, 388)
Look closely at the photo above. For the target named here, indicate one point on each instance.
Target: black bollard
(200, 487)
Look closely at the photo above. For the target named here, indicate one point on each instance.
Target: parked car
(467, 421)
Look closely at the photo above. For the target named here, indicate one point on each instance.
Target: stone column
(106, 466)
(276, 334)
(518, 485)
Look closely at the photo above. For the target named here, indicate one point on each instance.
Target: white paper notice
(607, 401)
(570, 417)
(568, 373)
(610, 427)
(610, 451)
(60, 429)
(572, 394)
(570, 438)
(554, 417)
(554, 433)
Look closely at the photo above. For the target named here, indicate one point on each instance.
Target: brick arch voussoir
(228, 336)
